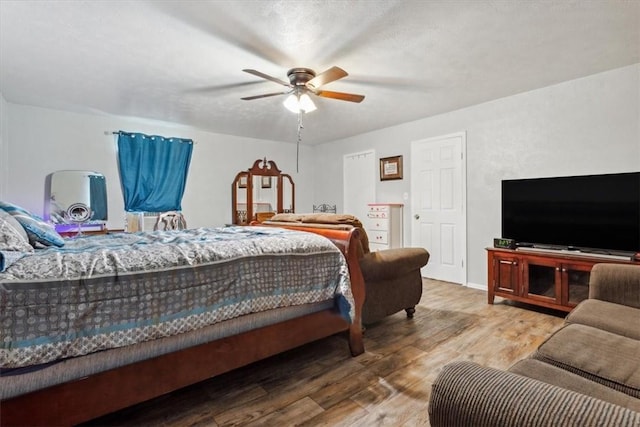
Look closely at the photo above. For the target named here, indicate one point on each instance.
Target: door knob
(416, 216)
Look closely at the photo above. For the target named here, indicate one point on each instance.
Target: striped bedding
(104, 292)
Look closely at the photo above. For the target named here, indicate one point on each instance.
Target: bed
(106, 322)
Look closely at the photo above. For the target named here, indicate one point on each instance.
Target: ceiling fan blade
(340, 95)
(328, 76)
(266, 76)
(249, 98)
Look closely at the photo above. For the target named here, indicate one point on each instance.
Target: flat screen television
(593, 212)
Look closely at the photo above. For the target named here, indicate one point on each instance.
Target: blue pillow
(37, 230)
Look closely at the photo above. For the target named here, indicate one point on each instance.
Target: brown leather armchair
(392, 277)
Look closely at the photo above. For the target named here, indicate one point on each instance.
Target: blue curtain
(153, 171)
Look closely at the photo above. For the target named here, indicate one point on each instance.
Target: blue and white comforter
(102, 292)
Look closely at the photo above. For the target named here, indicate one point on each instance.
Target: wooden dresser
(384, 226)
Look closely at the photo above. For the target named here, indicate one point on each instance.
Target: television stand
(552, 278)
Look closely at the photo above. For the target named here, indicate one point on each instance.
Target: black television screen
(584, 212)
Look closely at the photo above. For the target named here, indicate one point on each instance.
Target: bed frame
(105, 392)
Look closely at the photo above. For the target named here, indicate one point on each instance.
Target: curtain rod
(116, 132)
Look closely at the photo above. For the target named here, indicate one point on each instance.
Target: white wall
(584, 126)
(3, 154)
(588, 125)
(40, 141)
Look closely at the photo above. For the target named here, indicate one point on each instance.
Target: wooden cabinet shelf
(554, 280)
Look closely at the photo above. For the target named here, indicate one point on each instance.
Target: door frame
(463, 196)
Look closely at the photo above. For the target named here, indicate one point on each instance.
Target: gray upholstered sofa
(392, 277)
(585, 374)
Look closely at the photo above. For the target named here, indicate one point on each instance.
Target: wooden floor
(389, 385)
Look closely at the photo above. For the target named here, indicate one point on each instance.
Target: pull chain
(300, 127)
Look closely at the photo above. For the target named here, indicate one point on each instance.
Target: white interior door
(438, 211)
(359, 183)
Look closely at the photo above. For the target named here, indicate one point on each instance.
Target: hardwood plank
(287, 393)
(398, 395)
(343, 388)
(343, 413)
(299, 410)
(390, 384)
(407, 381)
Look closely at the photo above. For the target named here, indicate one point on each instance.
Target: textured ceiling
(181, 61)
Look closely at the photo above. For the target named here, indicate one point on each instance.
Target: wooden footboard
(347, 241)
(90, 397)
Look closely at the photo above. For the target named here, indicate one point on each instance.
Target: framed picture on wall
(266, 182)
(390, 168)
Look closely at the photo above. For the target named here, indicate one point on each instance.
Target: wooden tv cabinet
(553, 279)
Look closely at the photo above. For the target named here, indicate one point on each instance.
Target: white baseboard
(476, 286)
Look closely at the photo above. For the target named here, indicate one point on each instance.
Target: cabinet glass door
(540, 280)
(576, 277)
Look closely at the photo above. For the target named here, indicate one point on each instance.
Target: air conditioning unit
(140, 221)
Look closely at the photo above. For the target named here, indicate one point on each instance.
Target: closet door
(359, 180)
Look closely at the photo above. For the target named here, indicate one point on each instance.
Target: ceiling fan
(303, 81)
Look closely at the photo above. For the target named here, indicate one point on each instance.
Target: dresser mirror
(260, 192)
(76, 196)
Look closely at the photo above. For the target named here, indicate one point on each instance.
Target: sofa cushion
(617, 318)
(601, 356)
(551, 374)
(466, 394)
(616, 283)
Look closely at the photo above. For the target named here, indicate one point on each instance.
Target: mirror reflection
(287, 194)
(265, 194)
(76, 196)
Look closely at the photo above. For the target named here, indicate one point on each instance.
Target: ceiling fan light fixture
(306, 104)
(297, 103)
